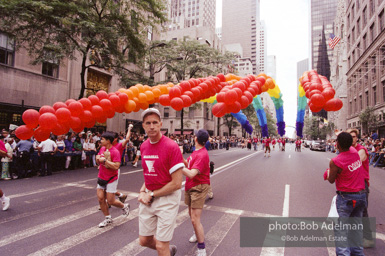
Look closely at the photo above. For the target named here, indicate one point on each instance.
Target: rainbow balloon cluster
(302, 103)
(261, 115)
(320, 92)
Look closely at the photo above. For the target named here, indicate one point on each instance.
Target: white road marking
(289, 156)
(285, 212)
(134, 248)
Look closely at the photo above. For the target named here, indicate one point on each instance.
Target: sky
(287, 37)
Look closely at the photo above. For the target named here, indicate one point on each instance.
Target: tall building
(365, 43)
(271, 66)
(262, 47)
(323, 13)
(339, 68)
(240, 24)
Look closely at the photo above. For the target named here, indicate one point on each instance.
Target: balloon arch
(229, 94)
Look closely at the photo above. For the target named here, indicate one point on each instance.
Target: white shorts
(138, 152)
(110, 187)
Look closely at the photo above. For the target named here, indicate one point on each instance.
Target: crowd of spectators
(72, 151)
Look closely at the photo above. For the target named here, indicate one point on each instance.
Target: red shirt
(267, 142)
(2, 146)
(365, 163)
(351, 179)
(159, 161)
(120, 148)
(200, 160)
(105, 173)
(273, 142)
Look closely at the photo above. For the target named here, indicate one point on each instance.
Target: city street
(58, 214)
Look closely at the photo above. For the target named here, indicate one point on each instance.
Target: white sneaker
(105, 222)
(126, 210)
(211, 195)
(201, 252)
(193, 239)
(6, 203)
(135, 165)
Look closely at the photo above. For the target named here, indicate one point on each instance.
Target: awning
(163, 132)
(177, 132)
(187, 132)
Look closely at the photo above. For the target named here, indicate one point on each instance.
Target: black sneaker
(122, 198)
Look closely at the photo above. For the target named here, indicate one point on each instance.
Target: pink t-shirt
(267, 142)
(365, 163)
(351, 179)
(2, 146)
(159, 161)
(200, 160)
(105, 173)
(120, 148)
(273, 142)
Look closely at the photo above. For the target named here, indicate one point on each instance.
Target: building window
(350, 108)
(372, 32)
(381, 20)
(353, 34)
(374, 95)
(166, 112)
(364, 16)
(178, 113)
(191, 113)
(355, 106)
(364, 42)
(383, 90)
(7, 50)
(360, 103)
(371, 5)
(358, 27)
(50, 69)
(367, 98)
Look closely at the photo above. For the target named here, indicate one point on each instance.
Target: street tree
(110, 34)
(368, 119)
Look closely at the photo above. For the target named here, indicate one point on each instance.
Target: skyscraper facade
(323, 13)
(240, 24)
(262, 48)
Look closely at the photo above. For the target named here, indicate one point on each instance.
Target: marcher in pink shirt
(347, 172)
(5, 201)
(197, 187)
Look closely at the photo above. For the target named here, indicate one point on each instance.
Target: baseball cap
(202, 136)
(150, 111)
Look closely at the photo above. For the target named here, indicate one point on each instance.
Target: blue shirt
(208, 145)
(24, 145)
(69, 145)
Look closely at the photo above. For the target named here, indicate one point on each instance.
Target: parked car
(306, 143)
(318, 145)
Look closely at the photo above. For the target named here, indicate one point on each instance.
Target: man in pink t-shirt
(267, 146)
(109, 160)
(159, 196)
(197, 187)
(364, 156)
(347, 172)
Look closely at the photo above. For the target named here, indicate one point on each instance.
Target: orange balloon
(134, 90)
(142, 97)
(147, 88)
(130, 106)
(140, 87)
(156, 92)
(163, 88)
(149, 95)
(122, 90)
(144, 105)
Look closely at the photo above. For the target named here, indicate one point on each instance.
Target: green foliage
(230, 121)
(314, 128)
(368, 119)
(108, 32)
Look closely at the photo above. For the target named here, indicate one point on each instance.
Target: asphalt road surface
(58, 214)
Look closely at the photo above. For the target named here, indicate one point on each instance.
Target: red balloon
(190, 94)
(101, 119)
(23, 132)
(47, 121)
(59, 130)
(94, 99)
(78, 129)
(204, 86)
(69, 101)
(46, 109)
(164, 100)
(102, 95)
(115, 100)
(314, 108)
(119, 109)
(106, 104)
(59, 104)
(249, 96)
(311, 93)
(63, 115)
(221, 77)
(110, 113)
(90, 124)
(244, 102)
(87, 104)
(123, 98)
(76, 108)
(86, 116)
(333, 105)
(234, 108)
(186, 101)
(219, 109)
(177, 104)
(318, 100)
(230, 97)
(221, 97)
(328, 94)
(174, 92)
(196, 93)
(185, 85)
(240, 85)
(97, 111)
(31, 118)
(41, 134)
(252, 91)
(239, 92)
(75, 122)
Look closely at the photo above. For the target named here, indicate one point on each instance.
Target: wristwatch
(152, 195)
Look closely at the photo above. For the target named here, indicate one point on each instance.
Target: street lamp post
(151, 66)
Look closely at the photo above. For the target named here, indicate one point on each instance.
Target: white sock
(108, 217)
(120, 195)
